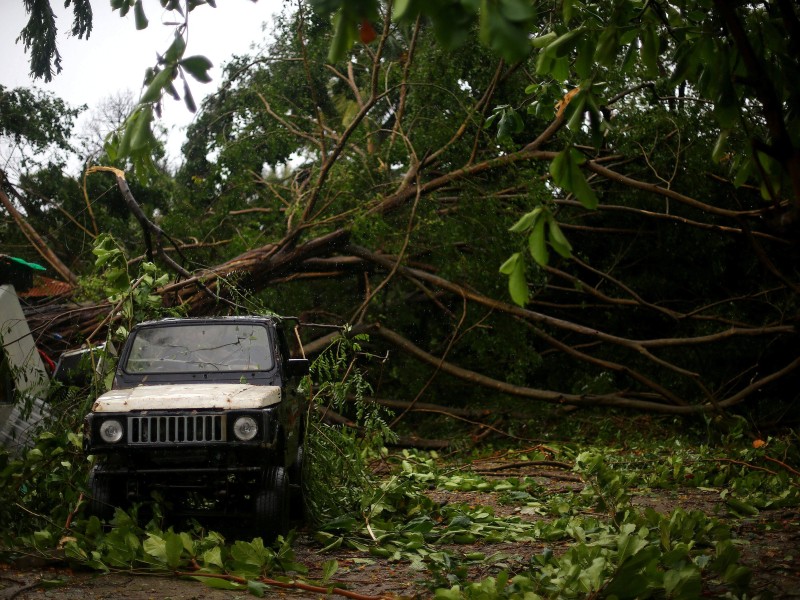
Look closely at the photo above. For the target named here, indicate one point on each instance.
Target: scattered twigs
(287, 585)
(549, 474)
(508, 453)
(531, 463)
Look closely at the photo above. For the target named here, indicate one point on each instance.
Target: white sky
(116, 55)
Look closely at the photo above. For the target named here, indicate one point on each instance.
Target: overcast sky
(115, 56)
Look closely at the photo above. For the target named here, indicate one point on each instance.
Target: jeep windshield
(200, 348)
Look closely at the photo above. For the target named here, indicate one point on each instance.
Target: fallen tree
(676, 294)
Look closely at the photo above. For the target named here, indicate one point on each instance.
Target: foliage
(127, 545)
(643, 275)
(579, 43)
(604, 68)
(132, 297)
(39, 35)
(335, 476)
(40, 490)
(593, 540)
(36, 118)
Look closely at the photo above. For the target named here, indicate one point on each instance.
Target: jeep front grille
(176, 429)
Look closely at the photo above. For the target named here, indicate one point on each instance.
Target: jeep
(207, 413)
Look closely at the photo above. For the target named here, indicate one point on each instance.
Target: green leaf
(683, 583)
(577, 104)
(650, 45)
(537, 244)
(607, 46)
(558, 240)
(156, 547)
(454, 593)
(741, 507)
(561, 68)
(400, 8)
(526, 221)
(559, 168)
(34, 455)
(329, 568)
(738, 576)
(625, 585)
(344, 35)
(566, 10)
(517, 10)
(517, 285)
(584, 59)
(561, 45)
(213, 557)
(160, 81)
(43, 538)
(188, 98)
(567, 174)
(544, 40)
(198, 67)
(510, 123)
(583, 192)
(173, 550)
(628, 545)
(139, 16)
(594, 574)
(508, 267)
(743, 173)
(257, 588)
(141, 133)
(502, 28)
(175, 50)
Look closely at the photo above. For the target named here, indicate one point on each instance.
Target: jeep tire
(272, 504)
(100, 504)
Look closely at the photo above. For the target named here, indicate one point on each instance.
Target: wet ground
(769, 544)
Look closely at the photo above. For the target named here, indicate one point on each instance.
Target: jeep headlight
(245, 428)
(111, 431)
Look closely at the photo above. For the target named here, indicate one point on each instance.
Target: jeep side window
(200, 347)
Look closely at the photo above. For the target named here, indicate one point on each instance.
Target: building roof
(46, 287)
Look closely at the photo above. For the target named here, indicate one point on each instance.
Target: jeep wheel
(100, 504)
(272, 504)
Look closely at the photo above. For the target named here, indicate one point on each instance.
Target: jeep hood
(188, 397)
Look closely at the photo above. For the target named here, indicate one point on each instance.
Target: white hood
(187, 397)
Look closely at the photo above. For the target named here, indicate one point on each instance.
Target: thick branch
(641, 346)
(616, 400)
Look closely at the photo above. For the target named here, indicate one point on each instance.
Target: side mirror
(297, 367)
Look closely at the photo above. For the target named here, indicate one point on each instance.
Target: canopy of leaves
(741, 58)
